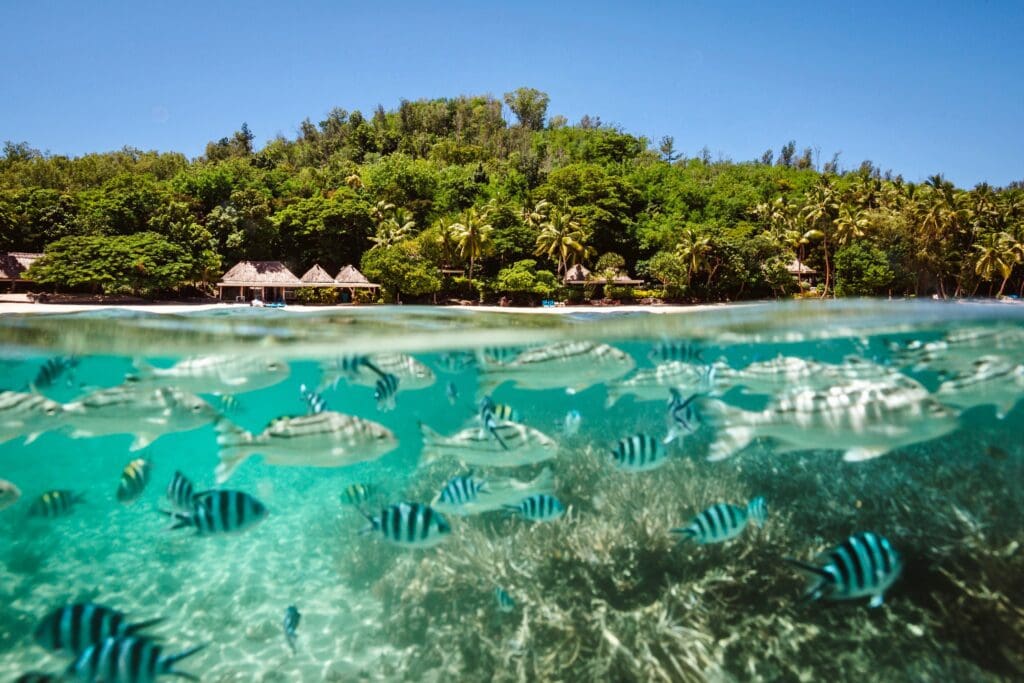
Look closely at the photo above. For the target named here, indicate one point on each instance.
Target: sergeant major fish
(145, 412)
(682, 416)
(638, 453)
(213, 374)
(863, 565)
(384, 392)
(573, 365)
(220, 511)
(181, 492)
(357, 494)
(127, 660)
(55, 504)
(327, 439)
(412, 525)
(539, 507)
(133, 480)
(315, 403)
(723, 522)
(461, 490)
(500, 492)
(75, 627)
(367, 370)
(510, 445)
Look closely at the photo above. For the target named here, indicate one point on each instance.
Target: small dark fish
(722, 522)
(181, 491)
(385, 390)
(315, 403)
(409, 524)
(357, 494)
(505, 602)
(462, 489)
(539, 508)
(863, 565)
(291, 622)
(36, 677)
(81, 625)
(452, 392)
(127, 660)
(220, 511)
(996, 453)
(133, 480)
(682, 415)
(489, 420)
(55, 504)
(638, 453)
(52, 370)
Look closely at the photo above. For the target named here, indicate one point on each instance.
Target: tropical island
(475, 198)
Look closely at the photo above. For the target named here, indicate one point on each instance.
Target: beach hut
(577, 275)
(13, 266)
(351, 279)
(265, 280)
(800, 271)
(317, 277)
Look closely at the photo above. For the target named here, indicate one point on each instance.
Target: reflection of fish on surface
(145, 412)
(865, 418)
(326, 439)
(9, 494)
(783, 372)
(956, 351)
(574, 365)
(992, 380)
(368, 370)
(501, 491)
(653, 384)
(28, 415)
(511, 444)
(863, 565)
(52, 370)
(213, 374)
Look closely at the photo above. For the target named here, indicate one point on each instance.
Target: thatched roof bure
(259, 274)
(349, 276)
(318, 276)
(14, 264)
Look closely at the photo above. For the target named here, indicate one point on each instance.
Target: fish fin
(511, 508)
(143, 370)
(686, 533)
(371, 526)
(141, 441)
(232, 442)
(431, 438)
(81, 434)
(1003, 409)
(611, 399)
(809, 568)
(858, 454)
(32, 437)
(142, 626)
(876, 600)
(730, 441)
(167, 663)
(180, 519)
(544, 482)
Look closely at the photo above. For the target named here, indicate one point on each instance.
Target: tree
(401, 269)
(562, 239)
(522, 277)
(997, 254)
(819, 211)
(474, 235)
(693, 250)
(530, 106)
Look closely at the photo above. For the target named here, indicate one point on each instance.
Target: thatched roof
(259, 274)
(797, 268)
(577, 275)
(349, 276)
(317, 276)
(14, 264)
(624, 279)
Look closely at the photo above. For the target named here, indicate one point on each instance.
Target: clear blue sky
(918, 87)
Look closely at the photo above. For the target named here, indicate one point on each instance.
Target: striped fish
(653, 384)
(682, 351)
(723, 522)
(539, 508)
(682, 415)
(455, 362)
(228, 375)
(367, 370)
(327, 439)
(991, 380)
(497, 355)
(461, 490)
(181, 492)
(863, 565)
(510, 445)
(357, 494)
(55, 504)
(639, 453)
(412, 525)
(492, 414)
(291, 622)
(221, 511)
(78, 626)
(52, 370)
(384, 392)
(133, 480)
(28, 415)
(500, 492)
(128, 660)
(315, 403)
(573, 365)
(505, 602)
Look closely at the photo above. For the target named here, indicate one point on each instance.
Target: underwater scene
(743, 493)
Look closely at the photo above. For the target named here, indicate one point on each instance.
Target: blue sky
(917, 87)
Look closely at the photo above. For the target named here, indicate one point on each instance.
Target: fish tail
(167, 663)
(234, 444)
(142, 626)
(143, 370)
(181, 520)
(729, 442)
(819, 578)
(686, 533)
(371, 525)
(430, 441)
(544, 482)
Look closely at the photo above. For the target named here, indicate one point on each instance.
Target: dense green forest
(512, 197)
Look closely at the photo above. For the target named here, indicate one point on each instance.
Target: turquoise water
(606, 592)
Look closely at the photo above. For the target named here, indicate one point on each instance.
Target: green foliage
(401, 269)
(523, 278)
(143, 263)
(316, 295)
(862, 270)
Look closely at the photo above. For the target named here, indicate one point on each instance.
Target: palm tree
(447, 239)
(693, 250)
(381, 211)
(393, 229)
(534, 216)
(474, 235)
(997, 253)
(354, 181)
(562, 239)
(819, 211)
(850, 225)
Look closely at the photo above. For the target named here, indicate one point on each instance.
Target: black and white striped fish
(539, 508)
(384, 392)
(684, 351)
(505, 602)
(221, 511)
(127, 660)
(411, 525)
(77, 626)
(291, 622)
(27, 415)
(134, 479)
(489, 420)
(357, 494)
(55, 504)
(53, 369)
(682, 416)
(723, 522)
(181, 492)
(638, 453)
(863, 565)
(315, 403)
(572, 365)
(461, 490)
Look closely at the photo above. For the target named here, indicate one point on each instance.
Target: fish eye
(50, 410)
